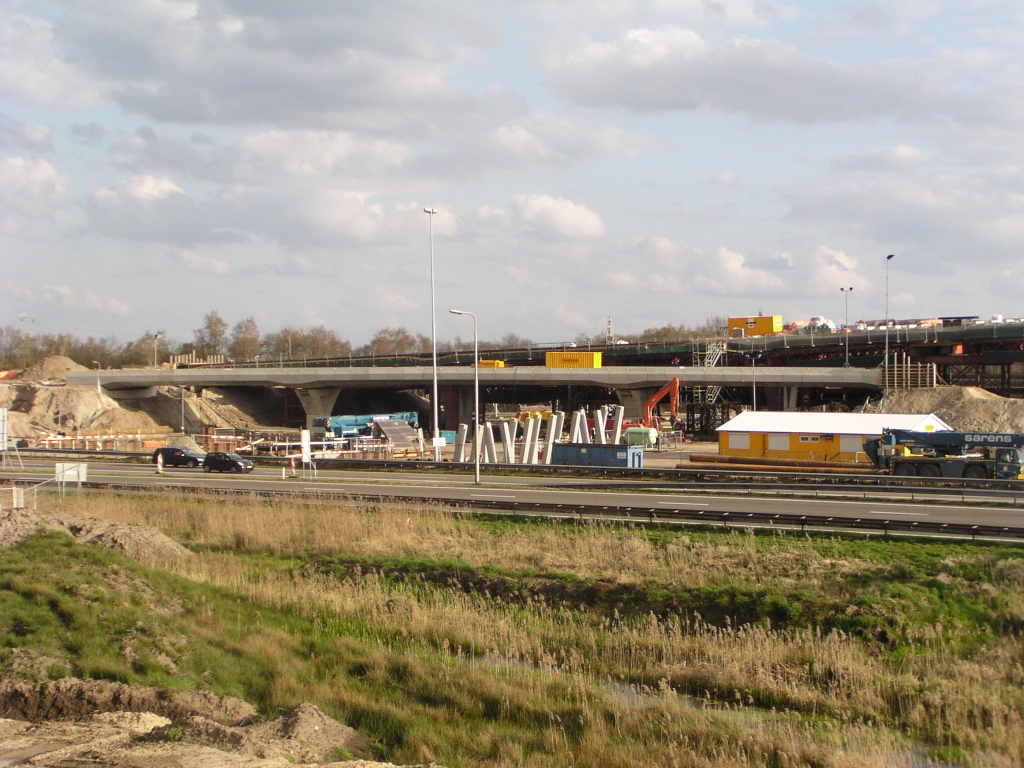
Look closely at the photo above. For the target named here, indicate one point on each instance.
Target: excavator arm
(672, 390)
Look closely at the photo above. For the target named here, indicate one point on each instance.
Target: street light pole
(431, 212)
(183, 409)
(156, 338)
(846, 322)
(885, 388)
(477, 431)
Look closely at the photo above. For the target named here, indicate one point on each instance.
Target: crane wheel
(905, 470)
(929, 470)
(975, 473)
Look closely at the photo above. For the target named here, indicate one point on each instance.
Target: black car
(178, 457)
(218, 461)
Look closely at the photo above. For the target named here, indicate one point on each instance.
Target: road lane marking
(488, 496)
(688, 503)
(915, 514)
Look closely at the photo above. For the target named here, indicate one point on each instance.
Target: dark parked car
(226, 462)
(178, 457)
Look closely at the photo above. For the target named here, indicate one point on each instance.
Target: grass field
(496, 643)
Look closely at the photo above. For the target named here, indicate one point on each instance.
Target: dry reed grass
(933, 693)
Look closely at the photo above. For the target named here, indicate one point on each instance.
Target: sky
(652, 161)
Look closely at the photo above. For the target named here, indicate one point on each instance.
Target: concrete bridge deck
(618, 377)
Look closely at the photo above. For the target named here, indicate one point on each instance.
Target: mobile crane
(975, 455)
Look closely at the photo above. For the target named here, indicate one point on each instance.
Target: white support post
(618, 413)
(490, 455)
(508, 440)
(554, 434)
(601, 426)
(531, 456)
(584, 429)
(577, 428)
(524, 451)
(460, 443)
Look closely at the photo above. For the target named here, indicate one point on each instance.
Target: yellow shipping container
(757, 325)
(492, 363)
(572, 359)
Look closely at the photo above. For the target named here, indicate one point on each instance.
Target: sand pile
(966, 409)
(98, 722)
(53, 368)
(138, 542)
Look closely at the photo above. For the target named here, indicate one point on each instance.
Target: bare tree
(212, 338)
(245, 340)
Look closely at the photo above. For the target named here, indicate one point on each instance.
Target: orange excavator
(672, 390)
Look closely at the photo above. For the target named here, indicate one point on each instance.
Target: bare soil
(966, 409)
(138, 542)
(76, 723)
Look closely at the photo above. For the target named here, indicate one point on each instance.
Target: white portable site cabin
(814, 436)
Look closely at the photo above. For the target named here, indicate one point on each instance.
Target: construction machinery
(974, 455)
(672, 390)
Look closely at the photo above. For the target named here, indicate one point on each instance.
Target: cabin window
(739, 441)
(778, 442)
(851, 443)
(810, 439)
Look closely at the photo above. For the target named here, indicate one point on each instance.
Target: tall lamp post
(846, 322)
(431, 212)
(885, 388)
(156, 339)
(476, 395)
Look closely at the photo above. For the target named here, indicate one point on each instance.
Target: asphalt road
(839, 502)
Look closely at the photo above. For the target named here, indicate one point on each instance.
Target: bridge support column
(633, 401)
(790, 398)
(317, 403)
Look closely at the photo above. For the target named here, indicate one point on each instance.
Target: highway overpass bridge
(317, 388)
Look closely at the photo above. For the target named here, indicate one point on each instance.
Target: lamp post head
(456, 311)
(890, 257)
(432, 211)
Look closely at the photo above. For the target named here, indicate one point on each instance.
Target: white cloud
(941, 218)
(724, 179)
(901, 157)
(16, 136)
(574, 318)
(148, 207)
(729, 274)
(833, 270)
(394, 300)
(206, 264)
(29, 190)
(85, 298)
(31, 70)
(677, 69)
(556, 217)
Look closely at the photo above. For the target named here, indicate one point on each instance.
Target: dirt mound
(139, 542)
(76, 722)
(966, 409)
(15, 527)
(53, 368)
(64, 408)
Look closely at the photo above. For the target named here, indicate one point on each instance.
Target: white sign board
(71, 473)
(4, 437)
(438, 442)
(307, 454)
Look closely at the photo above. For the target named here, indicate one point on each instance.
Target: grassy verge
(492, 643)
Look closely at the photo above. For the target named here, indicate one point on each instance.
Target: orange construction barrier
(159, 463)
(293, 466)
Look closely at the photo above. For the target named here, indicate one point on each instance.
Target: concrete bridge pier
(317, 403)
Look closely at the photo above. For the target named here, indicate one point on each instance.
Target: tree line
(243, 342)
